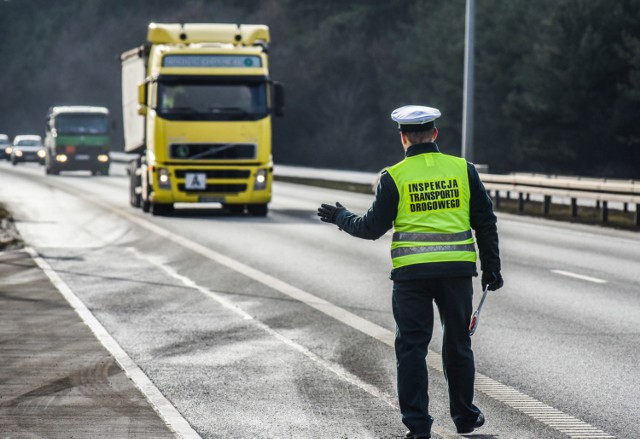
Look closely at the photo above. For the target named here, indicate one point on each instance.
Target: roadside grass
(562, 212)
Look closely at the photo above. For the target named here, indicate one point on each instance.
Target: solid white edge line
(329, 365)
(172, 418)
(580, 276)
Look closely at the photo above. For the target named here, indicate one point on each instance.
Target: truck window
(208, 100)
(81, 124)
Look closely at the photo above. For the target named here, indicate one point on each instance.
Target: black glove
(329, 213)
(493, 279)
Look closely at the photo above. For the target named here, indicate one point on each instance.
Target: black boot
(464, 429)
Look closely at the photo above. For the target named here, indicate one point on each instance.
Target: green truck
(77, 138)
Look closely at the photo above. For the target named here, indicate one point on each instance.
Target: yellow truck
(197, 103)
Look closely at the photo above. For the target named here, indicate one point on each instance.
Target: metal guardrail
(601, 191)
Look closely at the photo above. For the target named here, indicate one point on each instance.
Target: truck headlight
(42, 154)
(164, 178)
(8, 150)
(261, 180)
(103, 158)
(61, 158)
(18, 153)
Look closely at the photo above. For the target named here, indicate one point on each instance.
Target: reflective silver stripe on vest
(432, 237)
(407, 251)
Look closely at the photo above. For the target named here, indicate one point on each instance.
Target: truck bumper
(225, 185)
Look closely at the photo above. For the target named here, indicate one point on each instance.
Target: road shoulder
(56, 378)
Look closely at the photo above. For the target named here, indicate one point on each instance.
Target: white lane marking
(580, 276)
(491, 387)
(484, 384)
(172, 418)
(554, 418)
(329, 365)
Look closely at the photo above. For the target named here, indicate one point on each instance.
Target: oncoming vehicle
(197, 103)
(5, 147)
(77, 139)
(27, 148)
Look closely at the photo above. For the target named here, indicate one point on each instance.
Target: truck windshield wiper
(213, 150)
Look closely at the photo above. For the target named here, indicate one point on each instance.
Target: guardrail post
(625, 207)
(574, 208)
(637, 216)
(497, 198)
(604, 215)
(520, 202)
(547, 204)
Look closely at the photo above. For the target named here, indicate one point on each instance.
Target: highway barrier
(550, 188)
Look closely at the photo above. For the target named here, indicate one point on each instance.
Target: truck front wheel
(161, 209)
(135, 199)
(235, 209)
(258, 209)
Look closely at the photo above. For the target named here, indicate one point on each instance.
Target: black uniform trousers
(413, 313)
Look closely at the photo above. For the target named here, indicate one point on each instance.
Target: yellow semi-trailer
(197, 107)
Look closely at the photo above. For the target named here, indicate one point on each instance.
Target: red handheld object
(475, 318)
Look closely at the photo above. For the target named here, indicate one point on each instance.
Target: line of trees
(557, 81)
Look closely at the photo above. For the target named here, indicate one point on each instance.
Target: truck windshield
(81, 124)
(211, 99)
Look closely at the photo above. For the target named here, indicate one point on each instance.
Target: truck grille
(218, 188)
(212, 151)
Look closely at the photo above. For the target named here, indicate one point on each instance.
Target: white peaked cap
(417, 116)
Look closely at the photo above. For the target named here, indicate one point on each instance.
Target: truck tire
(134, 199)
(258, 209)
(158, 209)
(235, 209)
(134, 181)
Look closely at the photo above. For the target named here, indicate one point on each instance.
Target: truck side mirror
(142, 98)
(278, 99)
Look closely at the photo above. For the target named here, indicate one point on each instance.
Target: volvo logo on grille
(182, 151)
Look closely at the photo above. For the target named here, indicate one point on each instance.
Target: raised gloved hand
(329, 213)
(493, 279)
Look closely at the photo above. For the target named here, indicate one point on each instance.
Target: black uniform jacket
(382, 213)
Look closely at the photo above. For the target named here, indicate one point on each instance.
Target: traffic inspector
(432, 201)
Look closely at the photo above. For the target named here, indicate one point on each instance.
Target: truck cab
(197, 107)
(77, 138)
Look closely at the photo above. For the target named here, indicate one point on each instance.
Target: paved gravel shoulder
(56, 378)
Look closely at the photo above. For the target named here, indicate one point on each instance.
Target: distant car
(5, 147)
(27, 148)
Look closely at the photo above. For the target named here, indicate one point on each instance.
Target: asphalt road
(281, 326)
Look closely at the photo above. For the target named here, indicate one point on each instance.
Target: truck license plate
(82, 157)
(195, 180)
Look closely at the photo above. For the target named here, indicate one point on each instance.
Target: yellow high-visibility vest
(432, 223)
